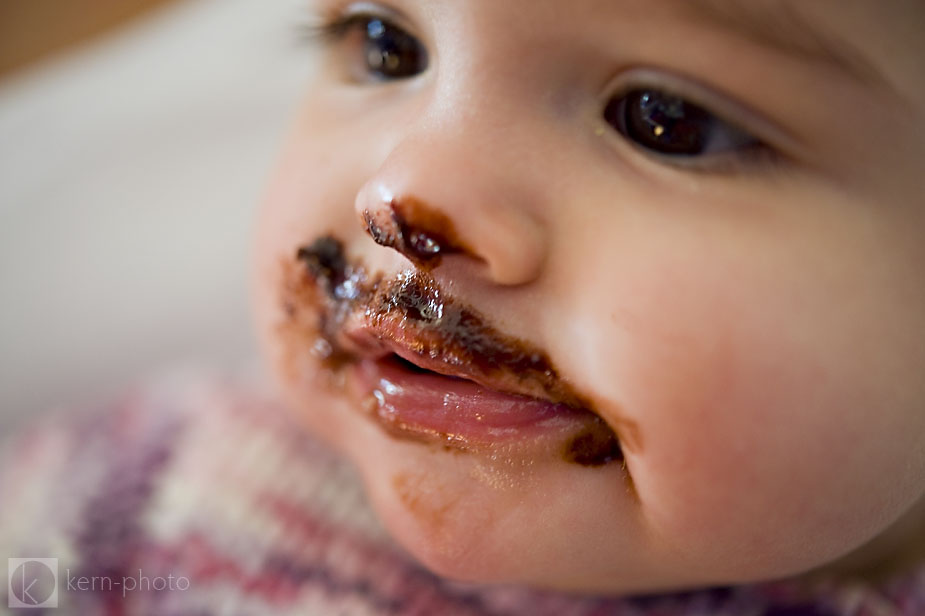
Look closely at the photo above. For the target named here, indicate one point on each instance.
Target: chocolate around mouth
(366, 316)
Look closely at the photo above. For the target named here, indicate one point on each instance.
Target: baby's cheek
(739, 449)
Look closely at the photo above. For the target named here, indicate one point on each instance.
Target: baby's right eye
(387, 51)
(390, 52)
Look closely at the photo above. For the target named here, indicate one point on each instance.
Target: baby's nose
(415, 229)
(433, 203)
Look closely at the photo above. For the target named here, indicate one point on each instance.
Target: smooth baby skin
(747, 316)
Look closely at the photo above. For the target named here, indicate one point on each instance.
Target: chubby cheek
(308, 196)
(744, 441)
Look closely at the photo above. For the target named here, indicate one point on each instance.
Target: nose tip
(509, 246)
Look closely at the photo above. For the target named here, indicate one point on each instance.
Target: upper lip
(411, 316)
(444, 336)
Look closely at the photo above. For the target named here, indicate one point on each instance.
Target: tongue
(429, 403)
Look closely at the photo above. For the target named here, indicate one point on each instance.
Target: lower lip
(436, 408)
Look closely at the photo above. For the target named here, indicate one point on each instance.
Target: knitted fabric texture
(200, 495)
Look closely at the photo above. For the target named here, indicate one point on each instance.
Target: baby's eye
(390, 52)
(373, 46)
(672, 127)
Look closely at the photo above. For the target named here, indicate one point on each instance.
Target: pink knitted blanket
(200, 495)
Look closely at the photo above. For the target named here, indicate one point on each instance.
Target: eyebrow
(781, 27)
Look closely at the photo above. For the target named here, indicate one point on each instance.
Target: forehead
(871, 41)
(874, 42)
(786, 26)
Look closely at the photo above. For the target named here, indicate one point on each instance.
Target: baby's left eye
(672, 127)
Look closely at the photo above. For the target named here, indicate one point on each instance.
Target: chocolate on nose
(421, 233)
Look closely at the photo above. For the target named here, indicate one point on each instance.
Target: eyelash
(747, 153)
(332, 28)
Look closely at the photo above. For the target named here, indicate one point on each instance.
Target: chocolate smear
(412, 310)
(422, 233)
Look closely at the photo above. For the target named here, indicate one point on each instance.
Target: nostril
(421, 233)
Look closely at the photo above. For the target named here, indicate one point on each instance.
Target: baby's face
(656, 272)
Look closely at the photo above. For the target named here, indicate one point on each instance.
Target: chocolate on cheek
(414, 308)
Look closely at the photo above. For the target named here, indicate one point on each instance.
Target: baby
(612, 296)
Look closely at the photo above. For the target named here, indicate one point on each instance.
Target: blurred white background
(130, 171)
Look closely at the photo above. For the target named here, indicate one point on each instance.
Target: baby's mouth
(431, 368)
